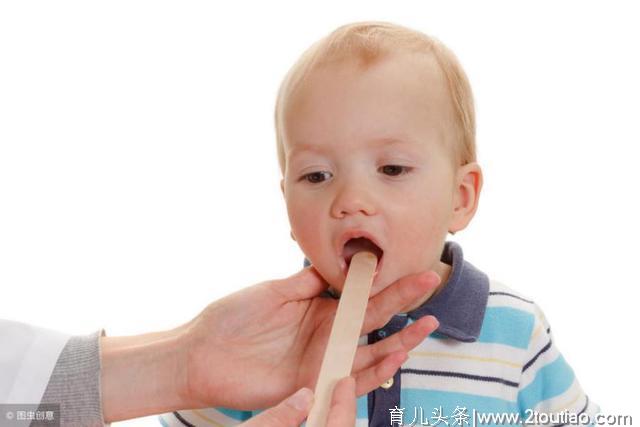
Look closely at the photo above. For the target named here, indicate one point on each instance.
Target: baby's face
(365, 156)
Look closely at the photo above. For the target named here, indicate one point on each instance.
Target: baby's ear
(467, 195)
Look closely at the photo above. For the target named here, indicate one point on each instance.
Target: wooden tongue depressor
(345, 332)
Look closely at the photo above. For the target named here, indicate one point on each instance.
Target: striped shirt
(493, 355)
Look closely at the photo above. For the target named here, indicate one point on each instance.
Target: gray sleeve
(75, 382)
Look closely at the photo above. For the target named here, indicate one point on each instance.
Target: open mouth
(355, 245)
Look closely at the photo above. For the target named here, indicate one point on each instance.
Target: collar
(461, 302)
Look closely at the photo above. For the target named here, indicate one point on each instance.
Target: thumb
(290, 413)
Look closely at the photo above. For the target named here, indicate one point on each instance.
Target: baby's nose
(352, 200)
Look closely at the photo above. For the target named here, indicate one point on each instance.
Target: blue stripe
(362, 407)
(428, 400)
(550, 381)
(162, 421)
(507, 325)
(236, 415)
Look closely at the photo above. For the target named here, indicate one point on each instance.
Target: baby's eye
(394, 170)
(316, 177)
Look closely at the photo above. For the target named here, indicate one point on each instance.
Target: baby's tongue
(354, 246)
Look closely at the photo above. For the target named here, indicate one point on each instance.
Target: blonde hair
(372, 41)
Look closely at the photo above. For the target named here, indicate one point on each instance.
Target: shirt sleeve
(75, 382)
(548, 384)
(28, 354)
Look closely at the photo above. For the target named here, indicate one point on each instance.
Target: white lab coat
(28, 355)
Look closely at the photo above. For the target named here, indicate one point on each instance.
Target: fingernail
(301, 400)
(437, 277)
(435, 320)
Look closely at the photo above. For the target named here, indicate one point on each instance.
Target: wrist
(143, 375)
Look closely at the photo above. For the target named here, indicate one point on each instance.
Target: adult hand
(257, 346)
(253, 348)
(293, 411)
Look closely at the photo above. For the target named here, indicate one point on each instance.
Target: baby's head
(375, 130)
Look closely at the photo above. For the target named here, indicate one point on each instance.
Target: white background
(139, 180)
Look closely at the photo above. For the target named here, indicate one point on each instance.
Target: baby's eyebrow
(304, 146)
(301, 148)
(381, 143)
(392, 141)
(377, 142)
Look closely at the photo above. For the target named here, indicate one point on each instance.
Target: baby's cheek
(327, 274)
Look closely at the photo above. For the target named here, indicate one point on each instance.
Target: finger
(342, 412)
(396, 297)
(289, 413)
(369, 379)
(305, 284)
(405, 340)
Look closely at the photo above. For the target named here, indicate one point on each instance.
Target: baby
(375, 129)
